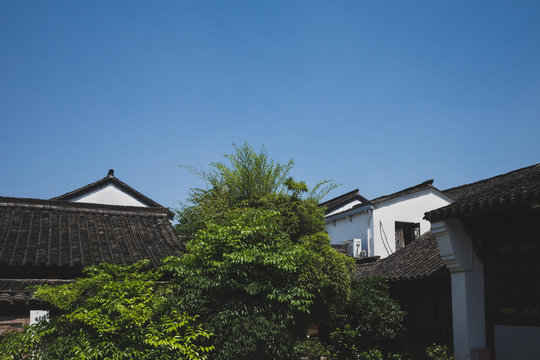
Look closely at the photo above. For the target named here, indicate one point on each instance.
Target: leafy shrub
(312, 350)
(439, 352)
(115, 312)
(372, 354)
(370, 319)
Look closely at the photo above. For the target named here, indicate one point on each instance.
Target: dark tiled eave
(362, 206)
(69, 206)
(516, 188)
(341, 200)
(19, 292)
(417, 261)
(428, 184)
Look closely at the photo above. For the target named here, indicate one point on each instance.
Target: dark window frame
(405, 233)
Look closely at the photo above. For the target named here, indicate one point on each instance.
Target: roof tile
(513, 188)
(428, 184)
(60, 233)
(418, 260)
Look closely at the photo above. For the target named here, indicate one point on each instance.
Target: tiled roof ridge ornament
(110, 174)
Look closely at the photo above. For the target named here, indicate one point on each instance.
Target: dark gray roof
(418, 260)
(428, 184)
(341, 200)
(110, 179)
(515, 188)
(20, 292)
(62, 234)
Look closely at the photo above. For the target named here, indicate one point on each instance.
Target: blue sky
(377, 95)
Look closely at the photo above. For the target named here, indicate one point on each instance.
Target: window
(406, 233)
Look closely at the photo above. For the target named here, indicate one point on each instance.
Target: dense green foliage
(368, 326)
(252, 179)
(254, 287)
(242, 280)
(439, 352)
(370, 319)
(250, 175)
(113, 313)
(258, 265)
(312, 349)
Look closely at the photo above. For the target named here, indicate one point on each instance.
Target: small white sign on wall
(38, 315)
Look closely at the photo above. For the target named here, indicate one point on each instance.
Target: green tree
(369, 319)
(242, 280)
(250, 177)
(113, 313)
(258, 265)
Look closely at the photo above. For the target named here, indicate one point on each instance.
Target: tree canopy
(250, 175)
(251, 179)
(114, 313)
(258, 265)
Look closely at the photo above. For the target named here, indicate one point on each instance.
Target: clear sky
(377, 95)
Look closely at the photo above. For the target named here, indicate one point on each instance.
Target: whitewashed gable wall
(110, 194)
(406, 208)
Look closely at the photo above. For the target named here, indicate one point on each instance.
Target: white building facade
(385, 224)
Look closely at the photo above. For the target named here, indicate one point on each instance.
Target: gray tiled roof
(19, 291)
(418, 260)
(428, 184)
(514, 188)
(341, 200)
(60, 234)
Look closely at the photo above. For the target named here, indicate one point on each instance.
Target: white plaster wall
(408, 208)
(109, 195)
(517, 342)
(345, 229)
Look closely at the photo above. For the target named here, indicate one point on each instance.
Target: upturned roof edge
(516, 187)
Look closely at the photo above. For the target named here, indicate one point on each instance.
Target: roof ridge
(422, 185)
(341, 196)
(490, 178)
(81, 207)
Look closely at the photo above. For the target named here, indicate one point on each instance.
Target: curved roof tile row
(60, 233)
(418, 260)
(510, 189)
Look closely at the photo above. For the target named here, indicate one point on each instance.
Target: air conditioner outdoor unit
(354, 248)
